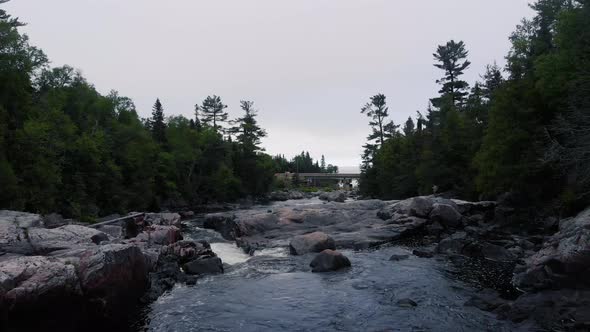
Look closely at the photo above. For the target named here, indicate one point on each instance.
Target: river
(275, 291)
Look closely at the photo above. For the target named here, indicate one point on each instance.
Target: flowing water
(274, 291)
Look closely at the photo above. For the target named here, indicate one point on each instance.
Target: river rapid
(275, 291)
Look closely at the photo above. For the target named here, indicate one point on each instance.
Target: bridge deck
(329, 176)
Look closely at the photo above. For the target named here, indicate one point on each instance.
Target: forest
(66, 148)
(523, 128)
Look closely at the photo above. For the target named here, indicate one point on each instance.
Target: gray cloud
(309, 64)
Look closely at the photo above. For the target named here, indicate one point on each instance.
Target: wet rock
(329, 260)
(486, 300)
(312, 242)
(186, 251)
(334, 196)
(163, 219)
(159, 235)
(446, 215)
(423, 253)
(407, 303)
(397, 258)
(208, 265)
(453, 244)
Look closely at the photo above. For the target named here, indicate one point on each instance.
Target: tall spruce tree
(452, 58)
(212, 111)
(247, 130)
(157, 124)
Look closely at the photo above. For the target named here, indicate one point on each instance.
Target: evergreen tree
(212, 111)
(247, 129)
(377, 110)
(452, 58)
(157, 124)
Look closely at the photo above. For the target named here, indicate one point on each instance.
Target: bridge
(334, 176)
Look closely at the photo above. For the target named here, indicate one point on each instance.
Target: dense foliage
(303, 163)
(524, 129)
(66, 148)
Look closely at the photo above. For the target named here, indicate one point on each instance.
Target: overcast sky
(309, 65)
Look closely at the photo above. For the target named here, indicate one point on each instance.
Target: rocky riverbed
(426, 263)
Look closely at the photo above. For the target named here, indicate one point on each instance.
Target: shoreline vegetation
(67, 149)
(498, 171)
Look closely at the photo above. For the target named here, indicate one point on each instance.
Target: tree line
(524, 128)
(304, 163)
(66, 148)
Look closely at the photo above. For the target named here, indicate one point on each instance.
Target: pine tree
(247, 129)
(156, 123)
(323, 164)
(212, 111)
(492, 80)
(377, 110)
(452, 58)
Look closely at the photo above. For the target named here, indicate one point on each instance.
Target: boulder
(54, 220)
(186, 251)
(312, 242)
(45, 241)
(329, 260)
(208, 265)
(420, 207)
(21, 219)
(446, 215)
(159, 235)
(163, 219)
(112, 272)
(25, 280)
(563, 261)
(334, 196)
(497, 253)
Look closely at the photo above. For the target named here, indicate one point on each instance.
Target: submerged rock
(209, 265)
(397, 258)
(329, 260)
(407, 303)
(312, 242)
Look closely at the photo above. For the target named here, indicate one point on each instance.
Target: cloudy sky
(309, 65)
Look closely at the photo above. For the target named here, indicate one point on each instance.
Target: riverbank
(72, 276)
